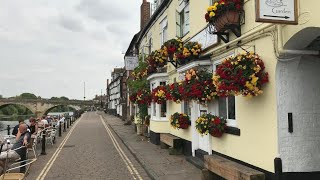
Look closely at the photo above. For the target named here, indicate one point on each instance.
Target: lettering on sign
(130, 62)
(277, 11)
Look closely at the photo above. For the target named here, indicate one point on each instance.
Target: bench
(229, 169)
(168, 140)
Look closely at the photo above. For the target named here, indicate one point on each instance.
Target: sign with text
(277, 11)
(131, 62)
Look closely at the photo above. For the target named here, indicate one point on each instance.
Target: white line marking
(49, 164)
(120, 151)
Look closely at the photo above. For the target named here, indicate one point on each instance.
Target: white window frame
(230, 122)
(183, 22)
(183, 104)
(155, 106)
(163, 30)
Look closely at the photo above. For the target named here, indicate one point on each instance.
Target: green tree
(27, 96)
(64, 98)
(1, 96)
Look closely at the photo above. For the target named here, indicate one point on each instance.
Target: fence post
(43, 146)
(64, 125)
(8, 129)
(67, 123)
(60, 128)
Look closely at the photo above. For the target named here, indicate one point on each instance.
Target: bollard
(64, 125)
(67, 123)
(60, 129)
(43, 146)
(8, 129)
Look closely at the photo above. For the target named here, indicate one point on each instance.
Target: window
(163, 106)
(153, 105)
(182, 19)
(186, 108)
(226, 105)
(211, 2)
(163, 31)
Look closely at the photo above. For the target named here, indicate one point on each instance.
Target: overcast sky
(50, 47)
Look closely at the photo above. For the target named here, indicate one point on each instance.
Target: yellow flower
(212, 14)
(254, 80)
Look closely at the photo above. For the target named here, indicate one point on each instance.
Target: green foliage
(143, 111)
(136, 85)
(62, 98)
(1, 96)
(13, 109)
(27, 96)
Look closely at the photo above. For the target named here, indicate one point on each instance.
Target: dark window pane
(164, 109)
(222, 107)
(231, 108)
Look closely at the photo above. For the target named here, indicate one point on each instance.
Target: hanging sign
(130, 62)
(277, 11)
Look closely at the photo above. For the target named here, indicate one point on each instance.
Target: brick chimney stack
(144, 13)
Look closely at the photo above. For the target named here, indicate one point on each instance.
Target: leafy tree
(64, 98)
(27, 96)
(1, 96)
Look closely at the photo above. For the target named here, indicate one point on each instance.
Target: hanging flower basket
(224, 14)
(243, 74)
(159, 94)
(180, 121)
(202, 124)
(217, 126)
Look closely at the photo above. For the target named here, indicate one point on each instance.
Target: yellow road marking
(49, 164)
(123, 156)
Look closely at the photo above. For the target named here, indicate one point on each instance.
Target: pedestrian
(15, 129)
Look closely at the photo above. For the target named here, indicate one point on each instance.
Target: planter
(139, 129)
(216, 133)
(227, 19)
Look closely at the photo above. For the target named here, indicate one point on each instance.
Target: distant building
(116, 93)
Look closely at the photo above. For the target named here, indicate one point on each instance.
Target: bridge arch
(32, 108)
(71, 106)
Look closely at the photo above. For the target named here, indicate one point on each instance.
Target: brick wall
(144, 13)
(298, 91)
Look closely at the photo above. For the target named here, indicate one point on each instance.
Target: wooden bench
(168, 140)
(230, 170)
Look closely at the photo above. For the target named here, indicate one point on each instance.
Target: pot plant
(180, 121)
(224, 13)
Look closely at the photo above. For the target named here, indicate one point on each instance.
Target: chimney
(144, 13)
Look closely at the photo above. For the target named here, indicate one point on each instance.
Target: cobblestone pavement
(157, 162)
(89, 153)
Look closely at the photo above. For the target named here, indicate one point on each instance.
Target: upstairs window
(163, 31)
(182, 19)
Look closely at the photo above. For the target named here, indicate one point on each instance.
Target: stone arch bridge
(41, 107)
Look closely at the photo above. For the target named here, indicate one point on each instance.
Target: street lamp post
(84, 91)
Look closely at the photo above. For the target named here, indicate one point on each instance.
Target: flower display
(203, 123)
(173, 46)
(180, 121)
(133, 98)
(159, 94)
(176, 92)
(217, 126)
(160, 57)
(144, 97)
(191, 50)
(199, 86)
(208, 123)
(219, 8)
(243, 74)
(139, 74)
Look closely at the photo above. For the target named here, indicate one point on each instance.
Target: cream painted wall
(160, 126)
(256, 118)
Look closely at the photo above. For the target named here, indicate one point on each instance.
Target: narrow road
(92, 151)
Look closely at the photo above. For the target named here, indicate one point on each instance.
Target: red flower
(238, 6)
(207, 17)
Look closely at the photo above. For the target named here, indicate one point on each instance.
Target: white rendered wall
(298, 91)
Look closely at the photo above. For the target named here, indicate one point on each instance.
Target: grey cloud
(103, 11)
(70, 24)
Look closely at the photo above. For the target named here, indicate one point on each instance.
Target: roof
(132, 43)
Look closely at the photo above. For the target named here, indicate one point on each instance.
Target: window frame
(230, 122)
(163, 30)
(157, 107)
(183, 23)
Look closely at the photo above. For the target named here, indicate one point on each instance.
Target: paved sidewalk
(156, 161)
